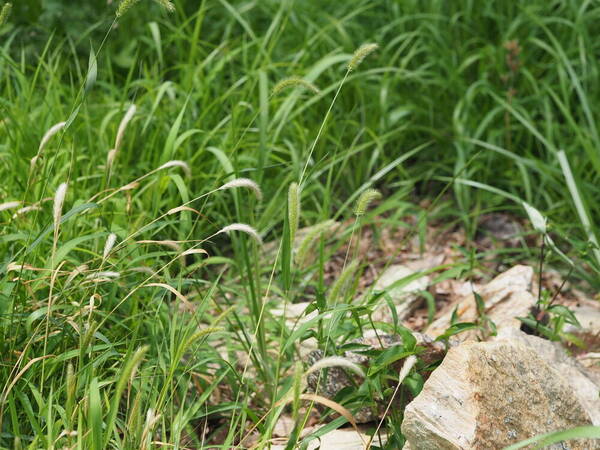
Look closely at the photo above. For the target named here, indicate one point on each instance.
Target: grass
(129, 321)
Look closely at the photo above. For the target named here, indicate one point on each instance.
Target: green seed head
(293, 209)
(167, 4)
(365, 200)
(310, 239)
(361, 53)
(5, 13)
(125, 6)
(341, 285)
(294, 82)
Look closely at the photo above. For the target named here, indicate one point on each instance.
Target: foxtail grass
(4, 13)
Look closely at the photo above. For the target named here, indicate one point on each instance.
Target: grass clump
(143, 307)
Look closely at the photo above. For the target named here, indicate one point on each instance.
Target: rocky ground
(492, 389)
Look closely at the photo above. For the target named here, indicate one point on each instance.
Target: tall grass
(136, 306)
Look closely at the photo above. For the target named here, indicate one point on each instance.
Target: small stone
(344, 439)
(405, 298)
(506, 297)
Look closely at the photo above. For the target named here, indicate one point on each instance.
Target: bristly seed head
(293, 82)
(365, 200)
(124, 6)
(123, 125)
(5, 13)
(59, 199)
(177, 163)
(310, 239)
(26, 209)
(243, 182)
(51, 132)
(9, 205)
(110, 158)
(167, 4)
(336, 361)
(360, 54)
(110, 242)
(340, 286)
(243, 228)
(293, 208)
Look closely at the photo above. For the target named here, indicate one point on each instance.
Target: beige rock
(488, 395)
(284, 426)
(345, 439)
(506, 297)
(585, 383)
(405, 297)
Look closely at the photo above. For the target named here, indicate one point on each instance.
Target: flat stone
(487, 395)
(405, 298)
(344, 439)
(506, 297)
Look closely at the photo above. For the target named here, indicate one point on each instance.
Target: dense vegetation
(117, 331)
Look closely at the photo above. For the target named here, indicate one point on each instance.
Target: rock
(499, 227)
(585, 383)
(506, 297)
(487, 395)
(284, 426)
(404, 297)
(344, 439)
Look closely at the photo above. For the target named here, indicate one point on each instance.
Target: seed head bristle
(110, 242)
(33, 162)
(243, 182)
(167, 243)
(51, 132)
(293, 208)
(9, 205)
(182, 208)
(340, 286)
(309, 240)
(59, 199)
(123, 126)
(177, 163)
(336, 361)
(365, 200)
(295, 82)
(360, 54)
(167, 4)
(406, 367)
(5, 13)
(17, 267)
(103, 275)
(124, 6)
(194, 251)
(110, 158)
(77, 271)
(244, 228)
(26, 209)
